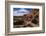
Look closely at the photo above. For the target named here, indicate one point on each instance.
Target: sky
(21, 11)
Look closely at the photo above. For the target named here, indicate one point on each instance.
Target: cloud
(20, 12)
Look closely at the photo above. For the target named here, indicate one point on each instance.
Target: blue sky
(14, 9)
(21, 11)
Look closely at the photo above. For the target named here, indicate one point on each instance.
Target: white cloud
(20, 12)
